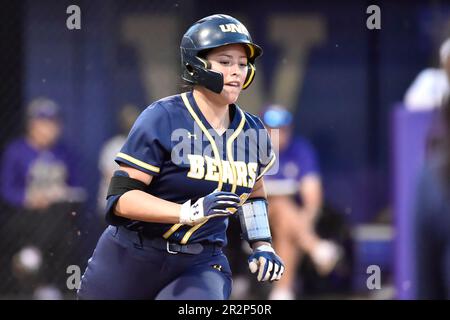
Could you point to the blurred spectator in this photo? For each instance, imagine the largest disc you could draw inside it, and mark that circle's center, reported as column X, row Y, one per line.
column 37, row 171
column 40, row 188
column 111, row 147
column 432, row 217
column 431, row 86
column 295, row 201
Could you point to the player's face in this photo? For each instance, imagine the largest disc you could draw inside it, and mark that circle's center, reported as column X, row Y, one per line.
column 231, row 61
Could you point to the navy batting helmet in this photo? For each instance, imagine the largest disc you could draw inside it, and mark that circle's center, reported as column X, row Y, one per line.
column 208, row 33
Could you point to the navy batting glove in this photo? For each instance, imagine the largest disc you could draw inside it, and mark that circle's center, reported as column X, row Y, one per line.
column 268, row 264
column 215, row 204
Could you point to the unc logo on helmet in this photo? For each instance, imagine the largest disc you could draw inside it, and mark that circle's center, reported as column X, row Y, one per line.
column 209, row 33
column 231, row 27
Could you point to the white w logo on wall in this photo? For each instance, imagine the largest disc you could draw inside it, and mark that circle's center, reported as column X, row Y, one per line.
column 231, row 27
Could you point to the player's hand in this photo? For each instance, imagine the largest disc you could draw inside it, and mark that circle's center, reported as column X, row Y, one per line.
column 215, row 204
column 268, row 264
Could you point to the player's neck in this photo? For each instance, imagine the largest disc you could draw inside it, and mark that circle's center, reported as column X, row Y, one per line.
column 216, row 114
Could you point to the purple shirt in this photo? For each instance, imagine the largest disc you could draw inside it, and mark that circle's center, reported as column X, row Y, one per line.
column 296, row 161
column 24, row 167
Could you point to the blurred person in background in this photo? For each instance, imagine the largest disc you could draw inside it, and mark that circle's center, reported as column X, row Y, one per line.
column 296, row 199
column 40, row 187
column 432, row 216
column 127, row 116
column 431, row 85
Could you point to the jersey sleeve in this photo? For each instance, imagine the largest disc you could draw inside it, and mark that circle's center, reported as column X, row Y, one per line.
column 266, row 153
column 148, row 142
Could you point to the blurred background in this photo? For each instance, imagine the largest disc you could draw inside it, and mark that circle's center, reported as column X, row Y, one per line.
column 69, row 96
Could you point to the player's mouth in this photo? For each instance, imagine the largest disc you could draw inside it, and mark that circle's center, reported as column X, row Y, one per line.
column 234, row 84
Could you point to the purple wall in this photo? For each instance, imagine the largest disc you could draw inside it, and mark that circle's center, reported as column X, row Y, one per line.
column 409, row 133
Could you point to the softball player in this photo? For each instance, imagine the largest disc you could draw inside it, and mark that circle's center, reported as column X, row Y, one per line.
column 188, row 164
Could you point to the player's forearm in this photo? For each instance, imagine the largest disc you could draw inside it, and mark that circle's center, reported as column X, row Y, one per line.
column 138, row 205
column 259, row 191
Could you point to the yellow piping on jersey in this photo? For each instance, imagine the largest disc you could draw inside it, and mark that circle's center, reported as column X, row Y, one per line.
column 210, row 138
column 216, row 156
column 138, row 162
column 230, row 150
column 191, row 231
column 233, row 169
column 219, row 165
column 171, row 230
column 270, row 164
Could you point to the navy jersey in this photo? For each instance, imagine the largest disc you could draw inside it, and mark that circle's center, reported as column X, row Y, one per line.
column 172, row 141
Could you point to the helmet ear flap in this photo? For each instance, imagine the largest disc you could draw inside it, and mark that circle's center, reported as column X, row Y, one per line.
column 198, row 71
column 250, row 75
column 192, row 70
column 205, row 62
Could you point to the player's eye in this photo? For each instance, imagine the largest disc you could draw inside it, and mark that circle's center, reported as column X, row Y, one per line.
column 224, row 62
column 242, row 65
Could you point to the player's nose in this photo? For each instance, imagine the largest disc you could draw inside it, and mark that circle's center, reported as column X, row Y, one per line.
column 236, row 70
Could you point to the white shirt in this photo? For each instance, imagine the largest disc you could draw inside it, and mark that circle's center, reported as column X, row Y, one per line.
column 427, row 91
column 107, row 166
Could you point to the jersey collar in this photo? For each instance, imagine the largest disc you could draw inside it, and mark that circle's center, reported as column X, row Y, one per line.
column 234, row 124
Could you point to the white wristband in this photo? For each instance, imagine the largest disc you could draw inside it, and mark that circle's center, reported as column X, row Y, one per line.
column 265, row 247
column 185, row 213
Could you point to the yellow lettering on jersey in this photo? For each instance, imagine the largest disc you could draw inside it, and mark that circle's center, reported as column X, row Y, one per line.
column 197, row 170
column 211, row 169
column 206, row 168
column 241, row 170
column 227, row 174
column 252, row 168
